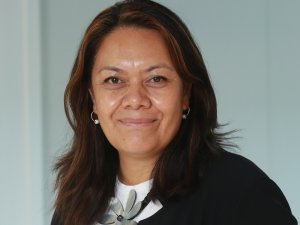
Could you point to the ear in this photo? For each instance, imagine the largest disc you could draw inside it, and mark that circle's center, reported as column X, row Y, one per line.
column 93, row 100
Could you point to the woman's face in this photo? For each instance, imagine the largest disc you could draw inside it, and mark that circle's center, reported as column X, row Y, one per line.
column 137, row 94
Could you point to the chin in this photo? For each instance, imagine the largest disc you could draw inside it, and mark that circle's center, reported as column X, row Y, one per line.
column 140, row 152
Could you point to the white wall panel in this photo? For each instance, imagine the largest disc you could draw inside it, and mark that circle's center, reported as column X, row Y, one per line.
column 21, row 159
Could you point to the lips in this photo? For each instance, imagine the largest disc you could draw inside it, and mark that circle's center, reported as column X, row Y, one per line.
column 137, row 122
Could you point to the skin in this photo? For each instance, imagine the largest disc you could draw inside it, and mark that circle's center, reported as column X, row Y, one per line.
column 138, row 97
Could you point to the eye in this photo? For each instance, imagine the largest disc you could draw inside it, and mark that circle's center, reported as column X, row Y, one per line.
column 112, row 80
column 158, row 79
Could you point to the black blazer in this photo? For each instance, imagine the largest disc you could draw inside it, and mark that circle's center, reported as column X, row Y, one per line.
column 233, row 192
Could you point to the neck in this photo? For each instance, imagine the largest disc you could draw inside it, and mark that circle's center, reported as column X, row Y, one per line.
column 135, row 170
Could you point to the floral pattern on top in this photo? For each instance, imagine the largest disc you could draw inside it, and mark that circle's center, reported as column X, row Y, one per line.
column 123, row 216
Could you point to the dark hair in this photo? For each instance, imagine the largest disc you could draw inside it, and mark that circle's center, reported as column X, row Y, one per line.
column 87, row 172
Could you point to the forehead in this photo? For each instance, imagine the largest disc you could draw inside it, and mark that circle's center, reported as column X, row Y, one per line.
column 121, row 33
column 132, row 43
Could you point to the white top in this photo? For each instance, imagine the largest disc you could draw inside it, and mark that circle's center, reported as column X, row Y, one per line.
column 142, row 189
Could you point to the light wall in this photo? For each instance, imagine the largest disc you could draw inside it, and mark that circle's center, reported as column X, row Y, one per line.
column 252, row 52
column 22, row 199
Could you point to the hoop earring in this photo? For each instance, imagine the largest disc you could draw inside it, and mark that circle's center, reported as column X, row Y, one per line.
column 96, row 121
column 184, row 116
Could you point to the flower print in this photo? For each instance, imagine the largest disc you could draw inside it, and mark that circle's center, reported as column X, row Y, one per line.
column 123, row 216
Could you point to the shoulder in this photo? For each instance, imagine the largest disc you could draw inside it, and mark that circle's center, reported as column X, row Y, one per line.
column 235, row 167
column 231, row 172
column 234, row 164
column 228, row 178
column 240, row 191
column 234, row 176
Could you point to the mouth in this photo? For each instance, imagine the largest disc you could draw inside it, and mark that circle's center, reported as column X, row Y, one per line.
column 137, row 122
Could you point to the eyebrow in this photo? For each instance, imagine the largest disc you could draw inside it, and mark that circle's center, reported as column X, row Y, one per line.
column 109, row 68
column 157, row 66
column 116, row 69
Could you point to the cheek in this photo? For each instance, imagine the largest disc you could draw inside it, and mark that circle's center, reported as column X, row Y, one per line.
column 171, row 102
column 106, row 103
column 171, row 109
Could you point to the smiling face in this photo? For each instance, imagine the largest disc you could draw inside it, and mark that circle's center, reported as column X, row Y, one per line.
column 137, row 94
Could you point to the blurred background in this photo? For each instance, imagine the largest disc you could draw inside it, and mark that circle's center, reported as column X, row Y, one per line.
column 252, row 52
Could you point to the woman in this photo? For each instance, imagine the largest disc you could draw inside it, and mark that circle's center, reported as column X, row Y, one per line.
column 145, row 147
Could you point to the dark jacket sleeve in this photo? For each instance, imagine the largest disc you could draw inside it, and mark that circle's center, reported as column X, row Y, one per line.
column 264, row 204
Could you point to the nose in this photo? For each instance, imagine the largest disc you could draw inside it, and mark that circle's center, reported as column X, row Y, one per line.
column 136, row 97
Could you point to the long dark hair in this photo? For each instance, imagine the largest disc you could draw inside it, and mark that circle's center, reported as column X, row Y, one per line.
column 87, row 172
